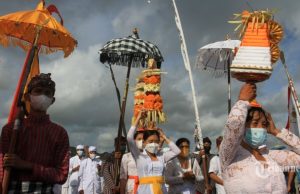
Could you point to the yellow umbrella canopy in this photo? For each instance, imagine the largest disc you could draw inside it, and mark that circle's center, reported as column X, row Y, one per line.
column 20, row 29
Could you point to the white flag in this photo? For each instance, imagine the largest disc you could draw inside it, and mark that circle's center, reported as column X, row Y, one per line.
column 184, row 52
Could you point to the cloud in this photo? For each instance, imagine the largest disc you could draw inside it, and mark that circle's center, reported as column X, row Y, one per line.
column 127, row 18
column 86, row 102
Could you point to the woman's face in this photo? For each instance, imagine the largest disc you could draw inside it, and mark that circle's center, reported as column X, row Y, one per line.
column 139, row 141
column 258, row 121
column 185, row 149
column 139, row 137
column 151, row 139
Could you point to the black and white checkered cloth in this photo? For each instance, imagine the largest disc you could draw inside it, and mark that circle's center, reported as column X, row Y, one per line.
column 119, row 51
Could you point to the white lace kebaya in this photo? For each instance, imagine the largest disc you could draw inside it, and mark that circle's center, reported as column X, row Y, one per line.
column 241, row 171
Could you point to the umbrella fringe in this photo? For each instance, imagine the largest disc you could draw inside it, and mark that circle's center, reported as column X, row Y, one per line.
column 122, row 59
column 121, row 51
column 216, row 73
column 207, row 62
column 6, row 41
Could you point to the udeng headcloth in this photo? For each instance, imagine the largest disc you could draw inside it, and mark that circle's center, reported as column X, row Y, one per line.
column 42, row 80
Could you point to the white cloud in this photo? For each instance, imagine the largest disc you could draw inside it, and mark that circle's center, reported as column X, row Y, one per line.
column 86, row 101
column 130, row 17
column 77, row 77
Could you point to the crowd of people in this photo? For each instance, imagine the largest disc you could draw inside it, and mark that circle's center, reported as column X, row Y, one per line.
column 41, row 160
column 174, row 170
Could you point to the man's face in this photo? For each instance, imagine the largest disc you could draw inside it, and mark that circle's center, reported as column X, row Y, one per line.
column 79, row 152
column 92, row 154
column 40, row 98
column 123, row 143
column 42, row 91
column 123, row 146
column 207, row 147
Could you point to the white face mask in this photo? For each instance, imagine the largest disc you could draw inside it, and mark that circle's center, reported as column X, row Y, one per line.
column 152, row 148
column 92, row 156
column 139, row 144
column 40, row 102
column 79, row 152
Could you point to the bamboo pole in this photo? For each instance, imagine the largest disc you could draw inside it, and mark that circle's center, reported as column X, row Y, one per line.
column 198, row 131
column 121, row 121
column 18, row 120
column 291, row 82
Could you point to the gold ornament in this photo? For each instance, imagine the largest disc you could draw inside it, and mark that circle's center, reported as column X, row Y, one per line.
column 275, row 32
column 275, row 53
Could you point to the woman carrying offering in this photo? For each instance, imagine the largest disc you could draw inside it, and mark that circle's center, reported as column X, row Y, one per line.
column 150, row 163
column 247, row 165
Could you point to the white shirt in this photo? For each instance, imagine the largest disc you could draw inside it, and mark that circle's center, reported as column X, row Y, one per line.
column 57, row 189
column 174, row 173
column 215, row 167
column 145, row 166
column 128, row 168
column 74, row 162
column 88, row 176
column 66, row 184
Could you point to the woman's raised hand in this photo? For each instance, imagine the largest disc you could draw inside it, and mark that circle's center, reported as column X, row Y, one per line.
column 248, row 92
column 271, row 126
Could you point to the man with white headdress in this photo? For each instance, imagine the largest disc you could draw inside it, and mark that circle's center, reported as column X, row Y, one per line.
column 88, row 176
column 74, row 168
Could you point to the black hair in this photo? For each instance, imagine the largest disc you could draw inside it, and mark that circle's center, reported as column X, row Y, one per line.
column 41, row 80
column 251, row 112
column 181, row 140
column 148, row 133
column 206, row 140
column 137, row 133
column 122, row 139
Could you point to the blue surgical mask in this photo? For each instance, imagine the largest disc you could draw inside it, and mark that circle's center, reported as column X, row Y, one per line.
column 256, row 137
column 80, row 152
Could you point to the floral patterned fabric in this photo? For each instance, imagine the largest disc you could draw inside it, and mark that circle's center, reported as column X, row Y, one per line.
column 241, row 171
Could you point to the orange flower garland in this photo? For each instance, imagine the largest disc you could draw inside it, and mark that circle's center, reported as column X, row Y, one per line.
column 155, row 79
column 147, row 97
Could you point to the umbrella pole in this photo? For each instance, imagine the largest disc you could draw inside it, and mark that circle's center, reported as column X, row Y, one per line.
column 121, row 122
column 291, row 83
column 18, row 120
column 118, row 96
column 229, row 87
column 116, row 87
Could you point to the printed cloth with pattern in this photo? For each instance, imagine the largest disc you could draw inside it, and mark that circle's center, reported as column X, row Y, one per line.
column 241, row 172
column 119, row 51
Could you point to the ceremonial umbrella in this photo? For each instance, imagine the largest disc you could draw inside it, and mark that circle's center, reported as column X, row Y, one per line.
column 130, row 51
column 34, row 31
column 22, row 28
column 217, row 58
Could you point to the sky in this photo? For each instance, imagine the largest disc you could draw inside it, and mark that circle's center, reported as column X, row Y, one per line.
column 86, row 103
